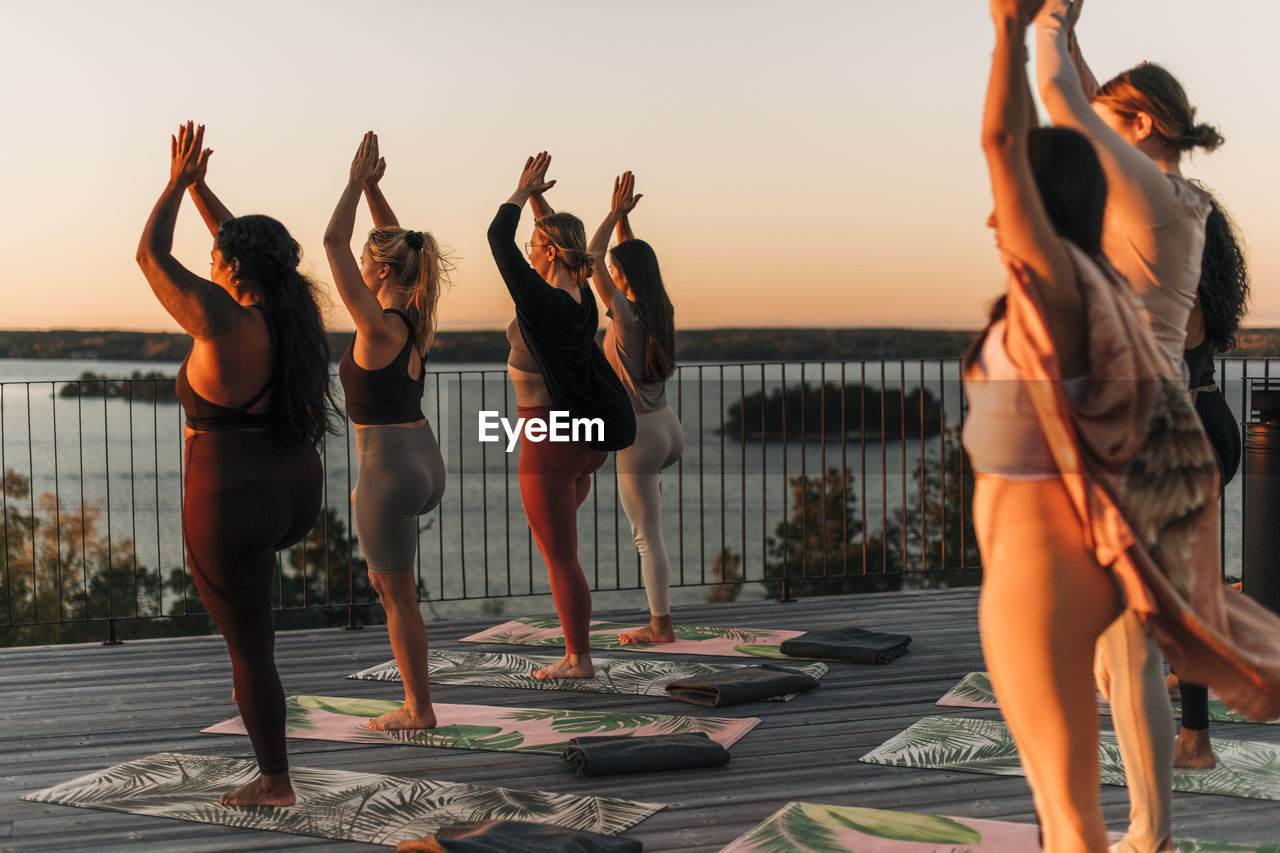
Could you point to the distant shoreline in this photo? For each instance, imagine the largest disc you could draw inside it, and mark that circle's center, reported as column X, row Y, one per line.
column 490, row 346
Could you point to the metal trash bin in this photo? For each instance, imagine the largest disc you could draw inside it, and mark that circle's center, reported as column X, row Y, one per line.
column 1261, row 494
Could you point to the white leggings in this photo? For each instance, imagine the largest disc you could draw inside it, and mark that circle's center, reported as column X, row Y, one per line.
column 659, row 443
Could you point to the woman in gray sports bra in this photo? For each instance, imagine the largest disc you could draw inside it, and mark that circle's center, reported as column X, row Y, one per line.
column 392, row 294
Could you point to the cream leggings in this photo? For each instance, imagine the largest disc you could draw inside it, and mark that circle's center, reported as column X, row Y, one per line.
column 659, row 443
column 401, row 477
column 1044, row 603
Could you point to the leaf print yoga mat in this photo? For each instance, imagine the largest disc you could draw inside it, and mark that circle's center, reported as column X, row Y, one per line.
column 690, row 639
column 331, row 803
column 814, row 828
column 1245, row 768
column 974, row 691
column 482, row 726
column 638, row 676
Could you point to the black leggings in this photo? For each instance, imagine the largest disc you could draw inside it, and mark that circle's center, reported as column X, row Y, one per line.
column 1220, row 426
column 245, row 499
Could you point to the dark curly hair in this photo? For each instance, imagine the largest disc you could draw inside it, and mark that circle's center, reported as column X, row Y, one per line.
column 264, row 254
column 1224, row 279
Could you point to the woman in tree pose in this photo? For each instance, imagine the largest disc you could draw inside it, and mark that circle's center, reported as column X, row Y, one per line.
column 639, row 343
column 392, row 293
column 1141, row 123
column 255, row 389
column 555, row 364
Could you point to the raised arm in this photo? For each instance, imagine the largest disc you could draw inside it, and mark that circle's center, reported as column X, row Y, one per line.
column 211, row 208
column 1136, row 187
column 622, row 203
column 624, row 222
column 1027, row 237
column 366, row 311
column 203, row 309
column 378, row 206
column 512, row 264
column 1088, row 83
column 540, row 206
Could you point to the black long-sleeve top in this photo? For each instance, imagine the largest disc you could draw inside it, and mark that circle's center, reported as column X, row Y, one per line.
column 561, row 336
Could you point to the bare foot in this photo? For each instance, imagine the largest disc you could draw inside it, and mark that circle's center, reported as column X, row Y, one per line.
column 572, row 666
column 273, row 790
column 403, row 718
column 658, row 630
column 648, row 634
column 1174, row 686
column 1193, row 751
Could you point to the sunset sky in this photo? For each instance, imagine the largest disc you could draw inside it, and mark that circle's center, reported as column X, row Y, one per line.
column 808, row 163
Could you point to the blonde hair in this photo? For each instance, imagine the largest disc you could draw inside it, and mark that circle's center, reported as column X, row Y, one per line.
column 1149, row 88
column 567, row 233
column 421, row 270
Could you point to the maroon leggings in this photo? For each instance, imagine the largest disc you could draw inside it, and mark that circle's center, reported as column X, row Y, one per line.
column 555, row 478
column 245, row 499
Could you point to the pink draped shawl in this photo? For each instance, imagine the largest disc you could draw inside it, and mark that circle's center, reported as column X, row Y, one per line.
column 1210, row 634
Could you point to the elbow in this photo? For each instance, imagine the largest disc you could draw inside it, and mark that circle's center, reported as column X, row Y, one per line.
column 334, row 240
column 999, row 141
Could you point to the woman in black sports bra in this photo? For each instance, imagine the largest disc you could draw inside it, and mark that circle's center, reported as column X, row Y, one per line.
column 392, row 294
column 253, row 477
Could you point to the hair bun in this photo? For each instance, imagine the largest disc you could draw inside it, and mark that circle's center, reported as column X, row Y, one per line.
column 1204, row 136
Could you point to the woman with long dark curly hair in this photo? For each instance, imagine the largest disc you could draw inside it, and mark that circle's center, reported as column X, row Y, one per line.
column 1221, row 301
column 392, row 293
column 255, row 389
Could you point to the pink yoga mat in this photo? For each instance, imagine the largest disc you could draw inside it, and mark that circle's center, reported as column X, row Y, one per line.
column 485, row 727
column 691, row 639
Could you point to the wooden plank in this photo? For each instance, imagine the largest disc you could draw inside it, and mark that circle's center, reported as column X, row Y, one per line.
column 71, row 710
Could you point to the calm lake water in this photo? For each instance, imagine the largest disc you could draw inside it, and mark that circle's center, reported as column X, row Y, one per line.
column 125, row 459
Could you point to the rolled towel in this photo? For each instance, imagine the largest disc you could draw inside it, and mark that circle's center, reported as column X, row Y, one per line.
column 851, row 644
column 504, row 836
column 605, row 755
column 745, row 684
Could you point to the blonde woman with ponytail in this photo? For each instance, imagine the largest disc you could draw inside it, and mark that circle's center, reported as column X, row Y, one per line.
column 392, row 293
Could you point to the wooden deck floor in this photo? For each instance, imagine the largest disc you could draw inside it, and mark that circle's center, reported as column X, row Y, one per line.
column 69, row 710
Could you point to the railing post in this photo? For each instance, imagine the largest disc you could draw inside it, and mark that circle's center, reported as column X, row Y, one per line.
column 1261, row 579
column 787, row 597
column 352, row 623
column 112, row 639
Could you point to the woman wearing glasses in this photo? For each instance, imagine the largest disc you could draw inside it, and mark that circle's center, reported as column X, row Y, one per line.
column 555, row 364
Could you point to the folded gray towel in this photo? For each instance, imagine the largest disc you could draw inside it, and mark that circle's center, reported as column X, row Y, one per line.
column 602, row 756
column 517, row 836
column 851, row 644
column 746, row 684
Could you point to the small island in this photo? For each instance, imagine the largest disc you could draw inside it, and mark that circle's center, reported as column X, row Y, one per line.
column 152, row 386
column 873, row 413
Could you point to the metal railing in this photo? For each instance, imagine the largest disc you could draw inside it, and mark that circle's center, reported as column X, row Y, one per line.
column 797, row 478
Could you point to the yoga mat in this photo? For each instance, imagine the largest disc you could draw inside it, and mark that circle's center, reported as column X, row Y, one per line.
column 814, row 828
column 483, row 726
column 974, row 691
column 335, row 804
column 690, row 639
column 1245, row 768
column 638, row 676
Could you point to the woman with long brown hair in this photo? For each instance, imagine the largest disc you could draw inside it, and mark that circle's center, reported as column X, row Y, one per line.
column 640, row 344
column 255, row 389
column 392, row 293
